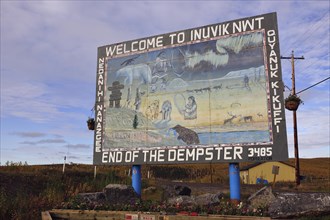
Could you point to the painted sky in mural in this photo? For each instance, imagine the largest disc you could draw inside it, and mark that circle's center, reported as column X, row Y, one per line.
column 212, row 92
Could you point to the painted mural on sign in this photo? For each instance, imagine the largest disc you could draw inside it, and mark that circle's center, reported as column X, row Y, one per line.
column 202, row 93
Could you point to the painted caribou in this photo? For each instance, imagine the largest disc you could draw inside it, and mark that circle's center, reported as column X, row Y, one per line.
column 229, row 120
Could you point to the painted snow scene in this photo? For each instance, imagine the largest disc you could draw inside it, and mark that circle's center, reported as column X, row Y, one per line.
column 205, row 93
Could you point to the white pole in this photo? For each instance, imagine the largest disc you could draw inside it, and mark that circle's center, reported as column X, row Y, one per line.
column 94, row 172
column 64, row 164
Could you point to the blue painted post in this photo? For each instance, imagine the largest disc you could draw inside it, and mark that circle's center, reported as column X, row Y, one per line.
column 136, row 178
column 234, row 182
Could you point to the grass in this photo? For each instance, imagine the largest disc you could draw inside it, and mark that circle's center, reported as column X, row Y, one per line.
column 25, row 191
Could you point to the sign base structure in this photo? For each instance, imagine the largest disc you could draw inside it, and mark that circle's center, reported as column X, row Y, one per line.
column 234, row 182
column 136, row 178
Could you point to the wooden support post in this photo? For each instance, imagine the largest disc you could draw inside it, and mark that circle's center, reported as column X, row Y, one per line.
column 295, row 131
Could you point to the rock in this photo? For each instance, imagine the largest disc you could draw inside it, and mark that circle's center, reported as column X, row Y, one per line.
column 262, row 198
column 91, row 197
column 202, row 200
column 289, row 205
column 185, row 201
column 150, row 190
column 182, row 190
column 117, row 193
column 176, row 190
column 208, row 199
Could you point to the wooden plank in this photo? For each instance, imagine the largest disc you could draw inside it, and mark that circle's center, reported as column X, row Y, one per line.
column 131, row 216
column 121, row 215
column 147, row 217
column 46, row 216
column 212, row 217
column 62, row 214
column 87, row 214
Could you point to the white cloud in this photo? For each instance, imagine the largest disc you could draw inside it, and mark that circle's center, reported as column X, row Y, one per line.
column 27, row 100
column 28, row 134
column 79, row 146
column 44, row 141
column 313, row 125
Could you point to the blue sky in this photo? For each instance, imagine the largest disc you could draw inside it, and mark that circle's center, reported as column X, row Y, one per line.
column 48, row 66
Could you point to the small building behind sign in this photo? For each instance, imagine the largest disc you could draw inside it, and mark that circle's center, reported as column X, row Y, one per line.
column 265, row 171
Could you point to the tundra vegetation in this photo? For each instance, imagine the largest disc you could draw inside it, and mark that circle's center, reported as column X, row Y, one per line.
column 26, row 190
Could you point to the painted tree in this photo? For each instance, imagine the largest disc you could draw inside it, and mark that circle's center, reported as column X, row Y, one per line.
column 135, row 122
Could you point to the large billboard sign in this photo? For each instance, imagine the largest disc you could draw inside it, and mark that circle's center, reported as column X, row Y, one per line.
column 202, row 95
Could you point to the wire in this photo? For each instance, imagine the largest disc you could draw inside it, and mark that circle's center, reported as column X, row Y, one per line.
column 309, row 32
column 288, row 87
column 306, row 68
column 311, row 49
column 313, row 85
